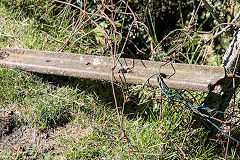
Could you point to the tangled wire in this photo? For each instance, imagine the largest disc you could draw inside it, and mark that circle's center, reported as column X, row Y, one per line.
column 167, row 92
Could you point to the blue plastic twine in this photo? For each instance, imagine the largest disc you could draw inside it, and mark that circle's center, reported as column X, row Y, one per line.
column 166, row 91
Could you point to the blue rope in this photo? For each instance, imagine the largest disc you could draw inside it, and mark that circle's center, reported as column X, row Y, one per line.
column 166, row 91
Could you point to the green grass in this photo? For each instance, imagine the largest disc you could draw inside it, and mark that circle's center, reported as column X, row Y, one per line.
column 27, row 23
column 48, row 102
column 43, row 105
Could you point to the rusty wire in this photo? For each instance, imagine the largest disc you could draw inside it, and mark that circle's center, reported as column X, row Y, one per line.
column 113, row 42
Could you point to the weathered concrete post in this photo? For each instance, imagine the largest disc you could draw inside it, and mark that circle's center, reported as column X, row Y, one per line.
column 220, row 96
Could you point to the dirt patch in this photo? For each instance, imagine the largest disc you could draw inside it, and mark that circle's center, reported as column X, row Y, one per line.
column 31, row 144
column 9, row 123
column 72, row 131
column 15, row 136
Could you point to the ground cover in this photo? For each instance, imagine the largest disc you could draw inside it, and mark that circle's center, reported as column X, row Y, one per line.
column 49, row 117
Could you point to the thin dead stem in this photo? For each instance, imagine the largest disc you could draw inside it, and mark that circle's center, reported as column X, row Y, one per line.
column 15, row 38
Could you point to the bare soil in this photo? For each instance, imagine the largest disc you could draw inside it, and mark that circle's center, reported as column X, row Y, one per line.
column 15, row 136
